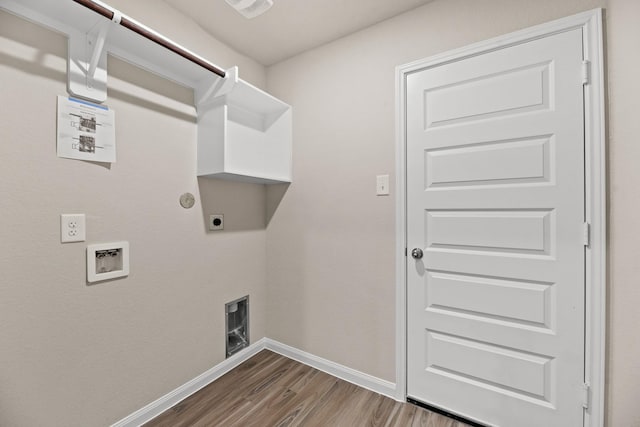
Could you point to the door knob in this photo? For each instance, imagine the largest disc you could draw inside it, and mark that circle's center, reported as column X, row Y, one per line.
column 416, row 253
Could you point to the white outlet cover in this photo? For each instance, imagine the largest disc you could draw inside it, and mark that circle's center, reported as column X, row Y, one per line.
column 72, row 228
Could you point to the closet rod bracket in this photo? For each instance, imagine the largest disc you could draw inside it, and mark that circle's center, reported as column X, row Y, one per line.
column 88, row 60
column 215, row 87
column 97, row 44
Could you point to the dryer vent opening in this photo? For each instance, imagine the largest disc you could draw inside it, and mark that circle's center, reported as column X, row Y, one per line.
column 237, row 325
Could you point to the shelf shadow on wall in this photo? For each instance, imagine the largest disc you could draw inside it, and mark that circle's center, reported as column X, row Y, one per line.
column 242, row 204
column 275, row 194
column 163, row 96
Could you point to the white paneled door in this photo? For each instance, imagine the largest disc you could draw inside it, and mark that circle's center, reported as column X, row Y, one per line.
column 495, row 221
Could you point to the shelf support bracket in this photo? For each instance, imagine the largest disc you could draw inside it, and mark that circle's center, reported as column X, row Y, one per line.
column 213, row 88
column 98, row 49
column 87, row 76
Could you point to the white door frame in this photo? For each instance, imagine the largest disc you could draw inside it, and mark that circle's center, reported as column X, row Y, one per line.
column 595, row 196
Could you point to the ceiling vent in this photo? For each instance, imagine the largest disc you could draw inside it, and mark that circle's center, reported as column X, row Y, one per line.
column 251, row 8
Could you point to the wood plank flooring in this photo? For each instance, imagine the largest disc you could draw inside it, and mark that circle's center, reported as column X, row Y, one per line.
column 272, row 390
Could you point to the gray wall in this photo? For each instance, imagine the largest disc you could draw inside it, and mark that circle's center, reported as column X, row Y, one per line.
column 319, row 263
column 73, row 354
column 330, row 257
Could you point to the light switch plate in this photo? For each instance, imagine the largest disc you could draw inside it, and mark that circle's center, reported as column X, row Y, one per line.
column 382, row 185
column 72, row 228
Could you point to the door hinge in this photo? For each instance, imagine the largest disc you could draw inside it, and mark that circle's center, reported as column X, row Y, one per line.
column 586, row 395
column 586, row 234
column 406, row 252
column 586, row 72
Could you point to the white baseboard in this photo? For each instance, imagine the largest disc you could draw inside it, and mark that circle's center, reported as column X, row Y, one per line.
column 358, row 378
column 170, row 399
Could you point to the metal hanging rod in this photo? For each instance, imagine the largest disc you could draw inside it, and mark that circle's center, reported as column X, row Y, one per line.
column 144, row 32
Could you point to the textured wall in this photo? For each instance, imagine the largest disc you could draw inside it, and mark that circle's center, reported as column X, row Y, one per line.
column 73, row 354
column 623, row 34
column 331, row 240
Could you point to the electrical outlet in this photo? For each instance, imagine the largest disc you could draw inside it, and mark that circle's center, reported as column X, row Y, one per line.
column 216, row 222
column 72, row 228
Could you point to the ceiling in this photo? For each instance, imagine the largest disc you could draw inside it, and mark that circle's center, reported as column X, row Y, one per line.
column 290, row 26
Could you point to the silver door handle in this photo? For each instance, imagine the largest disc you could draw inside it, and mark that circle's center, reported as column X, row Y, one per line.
column 416, row 253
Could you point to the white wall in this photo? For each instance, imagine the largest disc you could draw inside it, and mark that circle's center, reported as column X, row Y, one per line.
column 73, row 354
column 330, row 241
column 623, row 34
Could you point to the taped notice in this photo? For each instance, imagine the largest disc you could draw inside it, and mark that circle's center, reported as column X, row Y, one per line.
column 86, row 131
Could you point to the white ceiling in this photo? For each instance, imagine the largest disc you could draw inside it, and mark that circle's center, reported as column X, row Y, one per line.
column 290, row 26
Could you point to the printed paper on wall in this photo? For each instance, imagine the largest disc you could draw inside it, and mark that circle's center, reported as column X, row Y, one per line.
column 86, row 131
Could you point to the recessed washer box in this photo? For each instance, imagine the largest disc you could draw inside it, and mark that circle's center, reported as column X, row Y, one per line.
column 107, row 261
